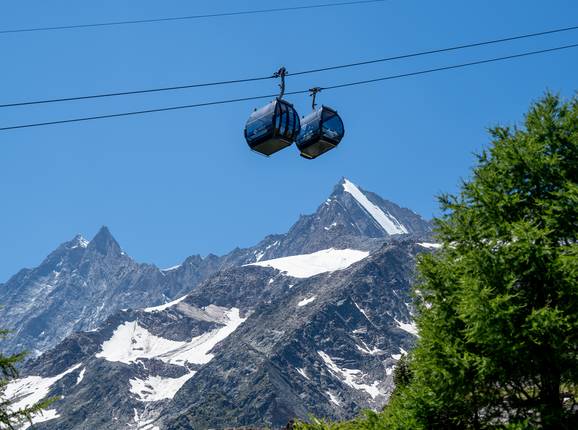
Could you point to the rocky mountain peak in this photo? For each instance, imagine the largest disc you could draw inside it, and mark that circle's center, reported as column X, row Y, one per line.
column 104, row 243
column 79, row 284
column 339, row 189
column 312, row 320
column 370, row 214
column 350, row 218
column 77, row 241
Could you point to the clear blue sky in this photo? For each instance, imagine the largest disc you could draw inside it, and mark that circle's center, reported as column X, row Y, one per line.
column 173, row 184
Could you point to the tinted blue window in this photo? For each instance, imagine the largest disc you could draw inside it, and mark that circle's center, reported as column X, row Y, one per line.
column 332, row 126
column 309, row 127
column 259, row 128
column 260, row 123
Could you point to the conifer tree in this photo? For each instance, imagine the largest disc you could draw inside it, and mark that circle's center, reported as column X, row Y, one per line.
column 11, row 418
column 498, row 303
column 498, row 309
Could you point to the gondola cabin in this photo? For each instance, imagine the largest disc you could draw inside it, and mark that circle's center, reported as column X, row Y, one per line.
column 321, row 131
column 273, row 127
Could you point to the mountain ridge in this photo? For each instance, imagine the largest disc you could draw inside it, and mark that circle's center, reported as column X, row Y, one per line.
column 324, row 344
column 80, row 278
column 312, row 320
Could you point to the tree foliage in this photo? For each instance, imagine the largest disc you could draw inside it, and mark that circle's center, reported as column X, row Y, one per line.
column 498, row 304
column 10, row 418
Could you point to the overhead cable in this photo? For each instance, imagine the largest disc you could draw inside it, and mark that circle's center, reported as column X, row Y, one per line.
column 327, row 88
column 187, row 17
column 303, row 72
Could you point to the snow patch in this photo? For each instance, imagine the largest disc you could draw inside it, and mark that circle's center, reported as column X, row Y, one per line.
column 272, row 245
column 168, row 269
column 367, row 350
column 302, row 372
column 430, row 245
column 28, row 391
column 385, row 220
column 143, row 424
column 350, row 376
column 334, row 399
column 156, row 388
column 307, row 265
column 80, row 376
column 306, row 301
column 43, row 416
column 410, row 328
column 165, row 306
column 362, row 311
column 197, row 350
column 130, row 341
column 331, row 226
column 81, row 242
column 260, row 253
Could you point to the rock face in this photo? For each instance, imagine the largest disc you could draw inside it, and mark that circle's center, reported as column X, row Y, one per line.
column 83, row 282
column 80, row 284
column 350, row 217
column 326, row 346
column 312, row 321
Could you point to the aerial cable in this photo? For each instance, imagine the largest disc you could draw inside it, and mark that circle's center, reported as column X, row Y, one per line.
column 436, row 51
column 166, row 109
column 303, row 72
column 332, row 87
column 126, row 93
column 456, row 66
column 189, row 17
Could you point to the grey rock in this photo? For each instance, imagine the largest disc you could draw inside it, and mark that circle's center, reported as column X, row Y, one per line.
column 80, row 284
column 325, row 344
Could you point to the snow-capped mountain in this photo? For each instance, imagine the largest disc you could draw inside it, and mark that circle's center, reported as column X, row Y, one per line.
column 325, row 346
column 252, row 345
column 80, row 284
column 312, row 321
column 83, row 282
column 350, row 217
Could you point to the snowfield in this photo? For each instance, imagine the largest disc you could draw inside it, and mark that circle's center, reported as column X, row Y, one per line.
column 46, row 415
column 156, row 388
column 387, row 221
column 30, row 390
column 306, row 301
column 26, row 392
column 307, row 265
column 130, row 341
column 165, row 306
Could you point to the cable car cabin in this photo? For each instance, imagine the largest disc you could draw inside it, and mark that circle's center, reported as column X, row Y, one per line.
column 273, row 127
column 321, row 131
